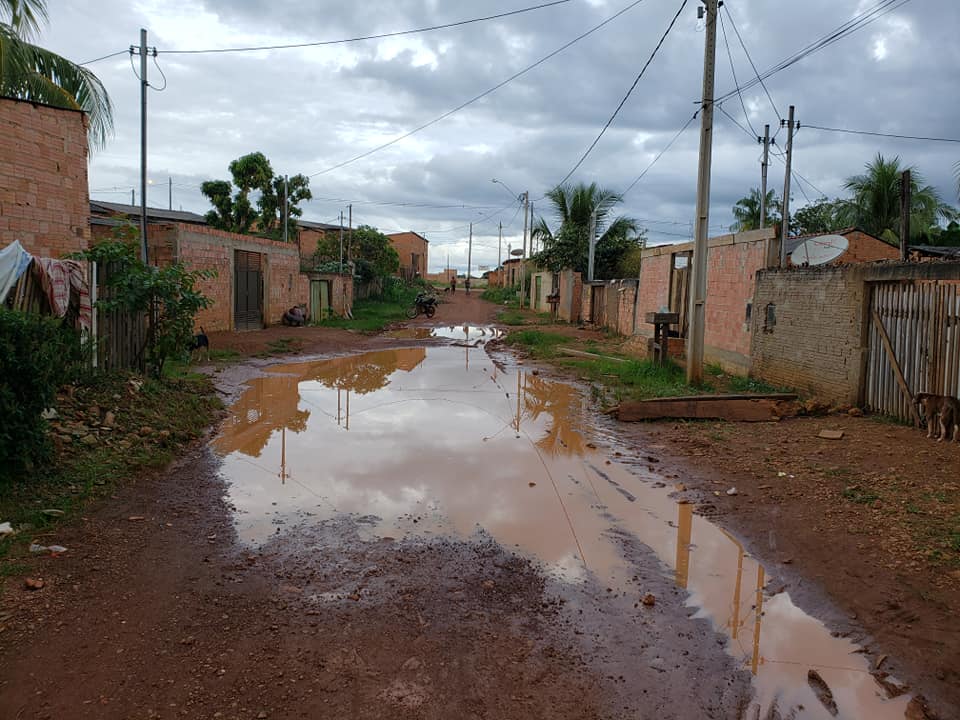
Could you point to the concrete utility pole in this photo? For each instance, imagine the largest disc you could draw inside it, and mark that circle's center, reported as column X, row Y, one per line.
column 133, row 196
column 286, row 210
column 170, row 192
column 786, row 188
column 341, row 241
column 142, row 51
column 592, row 238
column 469, row 258
column 763, row 175
column 350, row 233
column 499, row 248
column 905, row 189
column 523, row 257
column 698, row 284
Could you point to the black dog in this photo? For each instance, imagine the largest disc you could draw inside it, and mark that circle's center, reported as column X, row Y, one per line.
column 200, row 345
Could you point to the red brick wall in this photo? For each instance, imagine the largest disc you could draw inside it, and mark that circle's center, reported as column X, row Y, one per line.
column 571, row 296
column 44, row 199
column 161, row 240
column 626, row 299
column 731, row 272
column 654, row 284
column 284, row 284
column 865, row 248
column 406, row 244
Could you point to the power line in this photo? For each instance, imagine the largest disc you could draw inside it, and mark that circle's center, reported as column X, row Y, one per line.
column 750, row 59
column 480, row 96
column 625, row 97
column 360, row 38
column 733, row 70
column 856, row 23
column 881, row 134
column 105, row 57
column 660, row 154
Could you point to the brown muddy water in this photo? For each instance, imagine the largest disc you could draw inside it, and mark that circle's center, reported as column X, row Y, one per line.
column 440, row 441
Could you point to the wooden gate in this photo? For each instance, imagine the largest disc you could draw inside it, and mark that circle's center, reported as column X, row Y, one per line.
column 248, row 290
column 914, row 344
column 598, row 305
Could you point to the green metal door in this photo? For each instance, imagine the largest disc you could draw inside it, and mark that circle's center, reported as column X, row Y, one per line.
column 319, row 299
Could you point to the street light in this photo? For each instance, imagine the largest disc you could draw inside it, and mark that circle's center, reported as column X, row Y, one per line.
column 500, row 182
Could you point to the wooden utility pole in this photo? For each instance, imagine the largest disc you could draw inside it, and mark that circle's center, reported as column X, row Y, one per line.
column 786, row 190
column 143, row 145
column 763, row 175
column 905, row 183
column 698, row 283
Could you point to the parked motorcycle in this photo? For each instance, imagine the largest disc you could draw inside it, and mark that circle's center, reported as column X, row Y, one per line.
column 423, row 304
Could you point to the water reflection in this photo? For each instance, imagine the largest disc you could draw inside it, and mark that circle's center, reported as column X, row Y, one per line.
column 442, row 441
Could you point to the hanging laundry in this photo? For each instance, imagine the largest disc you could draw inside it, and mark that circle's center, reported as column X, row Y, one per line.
column 60, row 279
column 14, row 261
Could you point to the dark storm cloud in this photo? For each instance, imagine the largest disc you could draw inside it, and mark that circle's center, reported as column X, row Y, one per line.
column 311, row 109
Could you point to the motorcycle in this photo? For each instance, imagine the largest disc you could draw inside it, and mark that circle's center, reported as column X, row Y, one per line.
column 424, row 304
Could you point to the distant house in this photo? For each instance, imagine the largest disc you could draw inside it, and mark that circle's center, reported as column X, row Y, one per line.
column 310, row 233
column 413, row 249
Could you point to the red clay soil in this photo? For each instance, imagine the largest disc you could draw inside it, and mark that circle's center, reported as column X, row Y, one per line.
column 870, row 522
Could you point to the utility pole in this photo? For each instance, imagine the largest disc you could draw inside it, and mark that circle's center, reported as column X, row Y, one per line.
column 469, row 258
column 133, row 196
column 592, row 238
column 170, row 192
column 350, row 235
column 763, row 175
column 499, row 248
column 786, row 188
column 698, row 284
column 341, row 241
column 286, row 207
column 905, row 188
column 142, row 51
column 523, row 257
column 532, row 249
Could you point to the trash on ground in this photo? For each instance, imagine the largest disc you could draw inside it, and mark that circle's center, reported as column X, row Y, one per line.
column 732, row 491
column 34, row 583
column 52, row 549
column 831, row 434
column 649, row 600
column 6, row 529
column 52, row 512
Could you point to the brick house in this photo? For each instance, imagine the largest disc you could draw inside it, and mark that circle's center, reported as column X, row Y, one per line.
column 413, row 249
column 257, row 280
column 861, row 247
column 43, row 178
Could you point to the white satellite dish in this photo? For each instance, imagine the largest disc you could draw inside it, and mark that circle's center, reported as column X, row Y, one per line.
column 517, row 253
column 819, row 250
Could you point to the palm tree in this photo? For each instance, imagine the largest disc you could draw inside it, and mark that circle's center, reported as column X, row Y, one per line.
column 567, row 245
column 747, row 211
column 29, row 72
column 875, row 207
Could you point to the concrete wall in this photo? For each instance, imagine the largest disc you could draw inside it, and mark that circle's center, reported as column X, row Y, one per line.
column 341, row 294
column 44, row 198
column 284, row 285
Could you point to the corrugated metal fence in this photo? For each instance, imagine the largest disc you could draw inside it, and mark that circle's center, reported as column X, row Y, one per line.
column 914, row 344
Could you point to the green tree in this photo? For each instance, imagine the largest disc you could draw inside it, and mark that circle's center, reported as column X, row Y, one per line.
column 820, row 217
column 233, row 209
column 875, row 206
column 746, row 211
column 30, row 72
column 373, row 254
column 568, row 245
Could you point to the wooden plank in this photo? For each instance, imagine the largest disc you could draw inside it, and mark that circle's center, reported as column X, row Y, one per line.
column 896, row 367
column 954, row 388
column 589, row 355
column 737, row 408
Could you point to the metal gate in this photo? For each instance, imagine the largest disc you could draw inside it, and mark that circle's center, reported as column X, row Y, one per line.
column 319, row 300
column 248, row 290
column 914, row 344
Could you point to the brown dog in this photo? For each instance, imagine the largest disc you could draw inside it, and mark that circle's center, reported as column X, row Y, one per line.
column 945, row 410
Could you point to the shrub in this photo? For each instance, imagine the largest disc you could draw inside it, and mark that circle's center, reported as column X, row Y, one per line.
column 37, row 355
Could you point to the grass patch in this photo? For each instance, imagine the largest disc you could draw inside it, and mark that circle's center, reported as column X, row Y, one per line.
column 500, row 296
column 859, row 495
column 538, row 343
column 511, row 317
column 225, row 355
column 637, row 379
column 741, row 384
column 148, row 421
column 372, row 315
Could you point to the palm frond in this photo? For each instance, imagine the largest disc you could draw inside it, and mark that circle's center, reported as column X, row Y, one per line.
column 25, row 17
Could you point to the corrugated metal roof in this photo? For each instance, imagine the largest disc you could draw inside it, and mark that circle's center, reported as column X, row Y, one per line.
column 108, row 208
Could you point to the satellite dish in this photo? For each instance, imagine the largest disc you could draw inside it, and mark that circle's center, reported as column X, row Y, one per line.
column 819, row 250
column 517, row 253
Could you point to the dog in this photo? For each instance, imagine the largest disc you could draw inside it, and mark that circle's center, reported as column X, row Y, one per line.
column 943, row 409
column 200, row 345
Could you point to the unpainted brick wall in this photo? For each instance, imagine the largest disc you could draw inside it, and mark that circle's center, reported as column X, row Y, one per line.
column 44, row 198
column 202, row 247
column 407, row 244
column 626, row 299
column 815, row 345
column 571, row 296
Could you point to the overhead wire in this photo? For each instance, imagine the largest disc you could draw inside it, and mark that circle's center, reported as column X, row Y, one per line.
column 360, row 38
column 482, row 95
column 626, row 97
column 733, row 70
column 660, row 154
column 106, row 57
column 746, row 52
column 881, row 134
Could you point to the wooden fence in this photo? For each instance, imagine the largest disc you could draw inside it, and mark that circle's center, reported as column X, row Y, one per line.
column 914, row 344
column 121, row 336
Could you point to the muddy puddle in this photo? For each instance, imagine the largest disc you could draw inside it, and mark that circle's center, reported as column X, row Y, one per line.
column 428, row 441
column 459, row 333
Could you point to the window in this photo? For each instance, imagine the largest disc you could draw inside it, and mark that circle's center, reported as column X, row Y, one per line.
column 749, row 312
column 770, row 318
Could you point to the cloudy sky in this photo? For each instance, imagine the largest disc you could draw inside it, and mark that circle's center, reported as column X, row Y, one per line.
column 310, row 109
